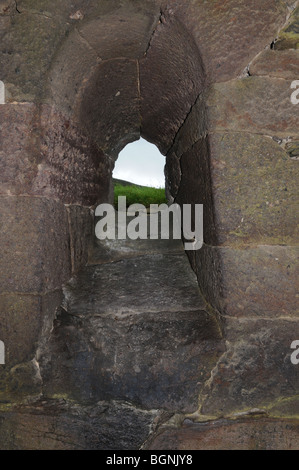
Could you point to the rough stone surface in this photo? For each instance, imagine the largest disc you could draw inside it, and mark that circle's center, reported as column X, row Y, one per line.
column 25, row 321
column 246, row 211
column 239, row 273
column 109, row 105
column 239, row 105
column 173, row 72
column 39, row 260
column 288, row 37
column 230, row 34
column 153, row 354
column 59, row 425
column 196, row 186
column 81, row 228
column 256, row 370
column 103, row 251
column 43, row 153
column 279, row 64
column 127, row 31
column 82, row 79
column 239, row 434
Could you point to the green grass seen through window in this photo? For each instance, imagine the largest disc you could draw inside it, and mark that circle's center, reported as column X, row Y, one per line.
column 139, row 194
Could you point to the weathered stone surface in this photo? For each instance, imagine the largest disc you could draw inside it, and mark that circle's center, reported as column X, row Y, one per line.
column 251, row 282
column 240, row 434
column 292, row 148
column 81, row 226
column 193, row 129
column 279, row 64
column 254, row 104
column 173, row 175
column 127, row 31
column 25, row 321
column 195, row 186
column 254, row 186
column 155, row 354
column 31, row 41
column 137, row 281
column 288, row 37
column 230, row 34
column 172, row 72
column 154, row 360
column 21, row 382
column 108, row 108
column 35, row 244
column 43, row 153
column 256, row 370
column 59, row 425
column 19, row 148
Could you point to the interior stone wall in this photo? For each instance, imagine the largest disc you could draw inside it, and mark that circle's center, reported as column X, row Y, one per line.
column 210, row 84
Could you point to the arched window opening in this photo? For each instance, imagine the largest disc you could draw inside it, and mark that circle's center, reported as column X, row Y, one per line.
column 139, row 174
column 141, row 163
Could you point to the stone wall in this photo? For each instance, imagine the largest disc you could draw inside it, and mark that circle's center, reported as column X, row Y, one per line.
column 210, row 84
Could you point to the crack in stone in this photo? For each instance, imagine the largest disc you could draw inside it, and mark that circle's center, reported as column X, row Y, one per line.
column 160, row 21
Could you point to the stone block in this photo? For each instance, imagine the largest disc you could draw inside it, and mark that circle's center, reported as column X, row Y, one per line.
column 256, row 370
column 230, row 34
column 251, row 282
column 276, row 63
column 123, row 36
column 43, row 153
column 35, row 244
column 25, row 321
column 261, row 105
column 254, row 186
column 196, row 186
column 118, row 345
column 108, row 108
column 172, row 73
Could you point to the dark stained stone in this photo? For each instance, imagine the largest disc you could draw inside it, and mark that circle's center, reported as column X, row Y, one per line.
column 81, row 228
column 173, row 175
column 195, row 185
column 111, row 344
column 109, row 106
column 59, row 425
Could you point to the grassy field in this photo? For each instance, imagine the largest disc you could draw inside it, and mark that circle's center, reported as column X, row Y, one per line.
column 138, row 194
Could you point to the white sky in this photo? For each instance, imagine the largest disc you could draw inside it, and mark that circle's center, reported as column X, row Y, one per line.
column 141, row 163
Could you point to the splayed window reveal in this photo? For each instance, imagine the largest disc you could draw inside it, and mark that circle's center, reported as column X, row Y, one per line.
column 137, row 227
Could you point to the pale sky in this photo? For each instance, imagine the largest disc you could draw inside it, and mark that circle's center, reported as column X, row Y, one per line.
column 141, row 163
